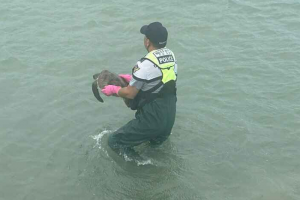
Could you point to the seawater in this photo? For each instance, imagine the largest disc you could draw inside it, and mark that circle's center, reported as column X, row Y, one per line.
column 236, row 134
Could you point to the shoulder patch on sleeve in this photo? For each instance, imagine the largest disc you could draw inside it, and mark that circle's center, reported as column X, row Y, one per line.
column 136, row 68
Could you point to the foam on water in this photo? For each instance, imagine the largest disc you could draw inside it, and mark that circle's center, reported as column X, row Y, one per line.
column 138, row 162
column 98, row 139
column 145, row 162
column 98, row 144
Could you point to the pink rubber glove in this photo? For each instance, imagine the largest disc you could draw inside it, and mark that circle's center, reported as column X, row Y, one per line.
column 111, row 90
column 127, row 77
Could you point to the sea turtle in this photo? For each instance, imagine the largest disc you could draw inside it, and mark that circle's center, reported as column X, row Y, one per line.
column 107, row 78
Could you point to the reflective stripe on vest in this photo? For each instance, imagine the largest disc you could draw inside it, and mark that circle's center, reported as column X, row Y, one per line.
column 165, row 60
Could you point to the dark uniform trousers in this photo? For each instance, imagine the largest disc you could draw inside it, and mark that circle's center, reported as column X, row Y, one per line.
column 153, row 122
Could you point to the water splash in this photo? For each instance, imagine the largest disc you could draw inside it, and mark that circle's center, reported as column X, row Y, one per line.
column 144, row 162
column 99, row 137
column 139, row 162
column 98, row 144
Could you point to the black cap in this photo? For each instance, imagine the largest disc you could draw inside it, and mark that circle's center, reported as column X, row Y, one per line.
column 156, row 33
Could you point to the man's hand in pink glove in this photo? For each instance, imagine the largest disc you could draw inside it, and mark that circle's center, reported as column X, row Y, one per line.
column 127, row 77
column 111, row 90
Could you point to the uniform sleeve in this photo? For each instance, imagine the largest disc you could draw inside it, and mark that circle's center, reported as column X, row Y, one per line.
column 139, row 76
column 139, row 72
column 136, row 83
column 175, row 68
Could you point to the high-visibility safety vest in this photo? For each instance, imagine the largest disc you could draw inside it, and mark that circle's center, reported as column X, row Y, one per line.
column 164, row 59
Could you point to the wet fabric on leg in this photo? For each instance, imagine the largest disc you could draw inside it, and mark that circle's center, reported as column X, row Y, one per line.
column 153, row 123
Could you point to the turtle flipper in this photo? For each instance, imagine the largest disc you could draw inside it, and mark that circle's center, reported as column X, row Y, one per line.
column 96, row 91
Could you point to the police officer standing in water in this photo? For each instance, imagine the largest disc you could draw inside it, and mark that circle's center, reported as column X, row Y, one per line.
column 152, row 87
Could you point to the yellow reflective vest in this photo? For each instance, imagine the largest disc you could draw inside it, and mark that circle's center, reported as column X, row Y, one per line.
column 164, row 59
